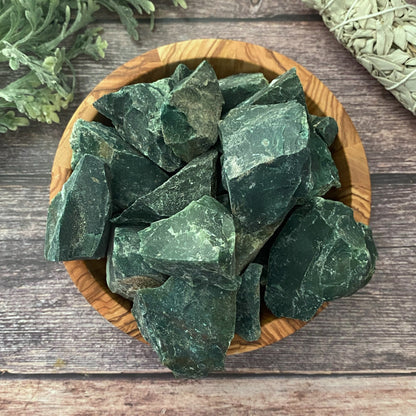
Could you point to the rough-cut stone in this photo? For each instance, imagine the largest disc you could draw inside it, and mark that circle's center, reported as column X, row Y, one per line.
column 247, row 323
column 92, row 138
column 196, row 179
column 284, row 88
column 166, row 85
column 323, row 169
column 131, row 177
column 266, row 149
column 78, row 218
column 320, row 254
column 197, row 242
column 126, row 270
column 191, row 113
column 325, row 127
column 135, row 113
column 190, row 326
column 249, row 243
column 237, row 88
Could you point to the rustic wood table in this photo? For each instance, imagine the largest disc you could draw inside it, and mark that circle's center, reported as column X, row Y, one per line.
column 59, row 356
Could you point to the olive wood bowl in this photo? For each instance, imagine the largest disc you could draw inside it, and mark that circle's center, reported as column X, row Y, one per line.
column 227, row 57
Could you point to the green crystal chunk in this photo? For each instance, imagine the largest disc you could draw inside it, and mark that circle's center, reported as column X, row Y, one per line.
column 191, row 113
column 323, row 169
column 133, row 176
column 325, row 127
column 190, row 326
column 196, row 179
column 320, row 254
column 78, row 218
column 166, row 85
column 247, row 323
column 266, row 149
column 92, row 138
column 199, row 240
column 237, row 88
column 135, row 113
column 249, row 243
column 284, row 88
column 126, row 270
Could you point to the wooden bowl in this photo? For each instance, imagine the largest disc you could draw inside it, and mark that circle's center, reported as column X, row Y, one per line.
column 227, row 57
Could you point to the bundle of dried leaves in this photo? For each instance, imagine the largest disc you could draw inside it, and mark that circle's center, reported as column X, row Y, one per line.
column 382, row 36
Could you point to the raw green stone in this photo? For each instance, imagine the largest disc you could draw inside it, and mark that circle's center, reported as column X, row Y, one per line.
column 320, row 254
column 92, row 138
column 266, row 149
column 325, row 127
column 323, row 169
column 284, row 88
column 166, row 85
column 196, row 179
column 133, row 176
column 249, row 243
column 78, row 218
column 247, row 323
column 237, row 88
column 126, row 270
column 199, row 240
column 190, row 326
column 191, row 113
column 135, row 113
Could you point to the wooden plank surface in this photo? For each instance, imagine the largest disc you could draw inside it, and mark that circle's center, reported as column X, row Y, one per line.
column 49, row 333
column 364, row 395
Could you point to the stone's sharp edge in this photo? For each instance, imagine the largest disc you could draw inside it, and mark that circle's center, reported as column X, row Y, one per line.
column 194, row 180
column 320, row 254
column 78, row 217
column 190, row 326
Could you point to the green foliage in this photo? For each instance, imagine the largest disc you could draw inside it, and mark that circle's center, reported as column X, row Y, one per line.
column 39, row 39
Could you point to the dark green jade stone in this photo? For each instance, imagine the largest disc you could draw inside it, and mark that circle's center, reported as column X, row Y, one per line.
column 320, row 254
column 194, row 180
column 325, row 127
column 284, row 88
column 135, row 113
column 237, row 88
column 324, row 173
column 78, row 223
column 191, row 113
column 266, row 161
column 92, row 138
column 189, row 325
column 166, row 85
column 133, row 175
column 197, row 242
column 126, row 270
column 247, row 323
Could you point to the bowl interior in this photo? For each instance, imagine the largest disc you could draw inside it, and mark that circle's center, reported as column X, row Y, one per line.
column 227, row 57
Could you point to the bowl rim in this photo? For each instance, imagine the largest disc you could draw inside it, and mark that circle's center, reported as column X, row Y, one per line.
column 347, row 151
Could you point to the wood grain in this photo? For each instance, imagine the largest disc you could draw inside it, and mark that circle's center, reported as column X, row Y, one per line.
column 362, row 395
column 227, row 57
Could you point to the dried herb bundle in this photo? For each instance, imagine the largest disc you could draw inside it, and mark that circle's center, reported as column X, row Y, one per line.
column 381, row 34
column 32, row 34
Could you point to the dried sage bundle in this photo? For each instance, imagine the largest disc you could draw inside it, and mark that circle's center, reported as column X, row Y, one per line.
column 381, row 34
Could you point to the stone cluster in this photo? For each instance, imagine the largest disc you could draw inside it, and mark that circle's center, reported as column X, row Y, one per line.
column 203, row 195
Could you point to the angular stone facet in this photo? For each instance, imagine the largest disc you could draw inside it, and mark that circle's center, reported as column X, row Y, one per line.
column 191, row 113
column 319, row 255
column 126, row 270
column 189, row 325
column 247, row 323
column 284, row 88
column 78, row 218
column 92, row 138
column 135, row 113
column 237, row 88
column 325, row 127
column 196, row 179
column 197, row 242
column 265, row 153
